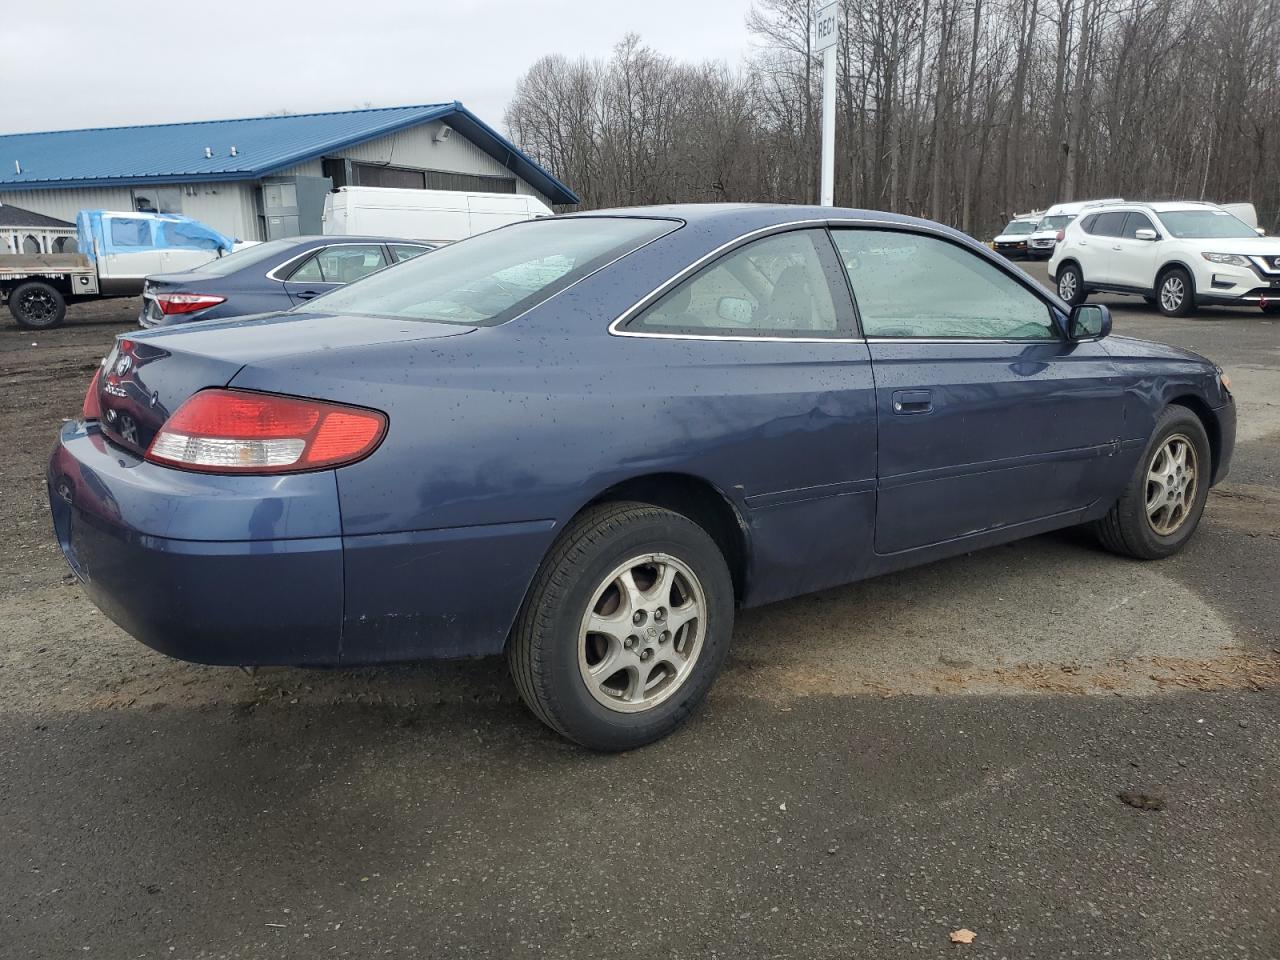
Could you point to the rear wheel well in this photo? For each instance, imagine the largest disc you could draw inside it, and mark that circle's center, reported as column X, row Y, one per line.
column 1210, row 423
column 1068, row 262
column 700, row 502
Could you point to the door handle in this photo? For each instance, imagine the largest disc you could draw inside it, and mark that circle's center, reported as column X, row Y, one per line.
column 307, row 294
column 908, row 402
column 1117, row 247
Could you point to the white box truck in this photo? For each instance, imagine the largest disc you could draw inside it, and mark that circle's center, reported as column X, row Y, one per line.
column 433, row 216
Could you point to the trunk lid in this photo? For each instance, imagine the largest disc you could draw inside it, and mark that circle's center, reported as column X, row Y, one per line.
column 147, row 376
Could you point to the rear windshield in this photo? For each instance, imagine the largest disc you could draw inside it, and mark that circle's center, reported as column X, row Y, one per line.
column 1205, row 224
column 490, row 278
column 1019, row 226
column 246, row 257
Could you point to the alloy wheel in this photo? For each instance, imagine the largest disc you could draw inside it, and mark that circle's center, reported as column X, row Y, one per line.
column 1067, row 286
column 1172, row 481
column 642, row 633
column 38, row 308
column 1172, row 292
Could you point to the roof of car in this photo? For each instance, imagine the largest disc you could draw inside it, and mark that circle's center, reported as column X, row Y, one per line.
column 758, row 216
column 1159, row 206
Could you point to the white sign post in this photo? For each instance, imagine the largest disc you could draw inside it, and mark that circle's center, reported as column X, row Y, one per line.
column 826, row 28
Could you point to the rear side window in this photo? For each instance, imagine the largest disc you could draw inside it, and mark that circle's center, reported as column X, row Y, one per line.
column 343, row 263
column 1087, row 223
column 1109, row 224
column 909, row 285
column 407, row 251
column 770, row 287
column 130, row 233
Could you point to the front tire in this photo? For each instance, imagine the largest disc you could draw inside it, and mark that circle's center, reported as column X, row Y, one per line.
column 1175, row 293
column 37, row 306
column 1164, row 499
column 625, row 627
column 1071, row 285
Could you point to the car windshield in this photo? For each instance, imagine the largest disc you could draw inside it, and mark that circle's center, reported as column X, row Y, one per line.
column 246, row 257
column 1205, row 224
column 1056, row 222
column 1018, row 227
column 490, row 278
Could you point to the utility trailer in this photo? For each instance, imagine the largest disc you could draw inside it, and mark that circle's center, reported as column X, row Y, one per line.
column 118, row 252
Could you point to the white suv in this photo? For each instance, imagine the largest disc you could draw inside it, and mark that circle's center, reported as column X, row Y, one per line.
column 1176, row 255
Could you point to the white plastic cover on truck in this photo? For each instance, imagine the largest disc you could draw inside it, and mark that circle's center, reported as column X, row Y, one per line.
column 433, row 216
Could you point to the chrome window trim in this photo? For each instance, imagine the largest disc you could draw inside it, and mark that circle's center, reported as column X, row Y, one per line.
column 825, row 222
column 271, row 274
column 1021, row 342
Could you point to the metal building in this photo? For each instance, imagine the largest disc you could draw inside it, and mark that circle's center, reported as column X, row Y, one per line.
column 265, row 177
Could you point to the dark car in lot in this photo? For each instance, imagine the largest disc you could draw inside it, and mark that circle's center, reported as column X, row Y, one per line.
column 266, row 277
column 586, row 440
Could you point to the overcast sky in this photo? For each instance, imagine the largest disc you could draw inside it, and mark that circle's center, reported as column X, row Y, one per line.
column 85, row 64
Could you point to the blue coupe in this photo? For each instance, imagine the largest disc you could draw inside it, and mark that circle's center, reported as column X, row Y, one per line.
column 267, row 277
column 586, row 440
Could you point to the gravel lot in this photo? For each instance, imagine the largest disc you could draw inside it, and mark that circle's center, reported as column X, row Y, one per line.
column 881, row 764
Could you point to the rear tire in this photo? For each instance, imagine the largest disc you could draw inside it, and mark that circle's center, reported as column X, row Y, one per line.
column 37, row 305
column 630, row 570
column 1271, row 308
column 1071, row 285
column 1162, row 503
column 1175, row 293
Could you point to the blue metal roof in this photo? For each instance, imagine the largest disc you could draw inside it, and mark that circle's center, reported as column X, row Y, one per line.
column 175, row 152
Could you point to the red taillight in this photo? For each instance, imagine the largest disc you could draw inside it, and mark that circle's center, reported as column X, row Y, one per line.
column 92, row 409
column 1060, row 234
column 236, row 431
column 171, row 303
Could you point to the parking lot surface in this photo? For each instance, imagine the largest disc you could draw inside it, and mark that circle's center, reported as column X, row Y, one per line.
column 1071, row 754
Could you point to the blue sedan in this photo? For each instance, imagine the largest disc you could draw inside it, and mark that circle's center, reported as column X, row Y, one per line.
column 267, row 277
column 585, row 441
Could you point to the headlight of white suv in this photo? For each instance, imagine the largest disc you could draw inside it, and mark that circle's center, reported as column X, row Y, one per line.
column 1234, row 259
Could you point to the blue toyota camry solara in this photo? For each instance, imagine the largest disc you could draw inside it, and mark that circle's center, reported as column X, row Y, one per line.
column 586, row 440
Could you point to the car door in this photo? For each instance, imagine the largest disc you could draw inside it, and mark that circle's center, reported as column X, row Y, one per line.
column 131, row 251
column 331, row 267
column 988, row 418
column 758, row 350
column 1096, row 247
column 1132, row 262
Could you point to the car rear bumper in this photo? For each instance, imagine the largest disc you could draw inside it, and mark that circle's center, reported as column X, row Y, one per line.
column 255, row 570
column 220, row 570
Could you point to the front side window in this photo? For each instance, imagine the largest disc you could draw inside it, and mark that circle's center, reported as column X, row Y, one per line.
column 909, row 285
column 1134, row 223
column 494, row 276
column 770, row 287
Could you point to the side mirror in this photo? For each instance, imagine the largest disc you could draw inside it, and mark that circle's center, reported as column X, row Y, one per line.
column 1089, row 321
column 1146, row 234
column 735, row 311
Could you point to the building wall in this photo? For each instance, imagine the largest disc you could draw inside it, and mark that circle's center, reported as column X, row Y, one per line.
column 227, row 207
column 232, row 207
column 416, row 148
